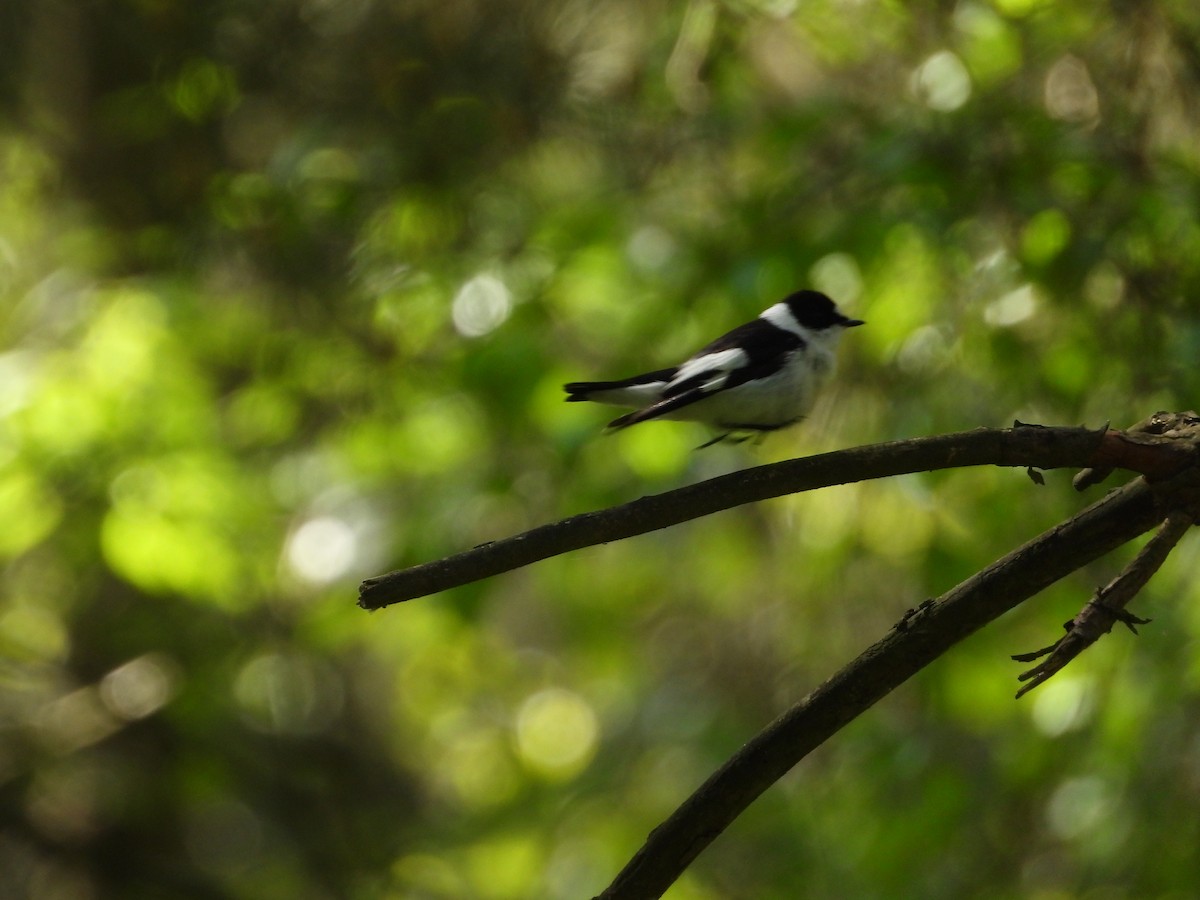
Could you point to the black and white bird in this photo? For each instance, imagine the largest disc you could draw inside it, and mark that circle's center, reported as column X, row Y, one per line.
column 760, row 377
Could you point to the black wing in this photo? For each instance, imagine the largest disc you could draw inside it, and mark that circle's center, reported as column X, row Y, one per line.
column 765, row 345
column 766, row 348
column 661, row 408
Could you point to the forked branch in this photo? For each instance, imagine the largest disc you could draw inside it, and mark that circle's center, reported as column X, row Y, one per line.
column 1165, row 449
column 1108, row 606
column 918, row 639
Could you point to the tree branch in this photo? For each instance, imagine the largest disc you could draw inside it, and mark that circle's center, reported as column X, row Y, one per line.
column 1165, row 449
column 1109, row 604
column 1156, row 455
column 1158, row 434
column 1024, row 445
column 918, row 639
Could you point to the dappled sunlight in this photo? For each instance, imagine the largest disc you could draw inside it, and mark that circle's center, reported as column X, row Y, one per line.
column 29, row 506
column 31, row 633
column 1082, row 807
column 481, row 306
column 651, row 248
column 556, row 732
column 1012, row 308
column 505, row 863
column 1070, row 93
column 942, row 82
column 74, row 721
column 322, row 549
column 656, row 452
column 262, row 336
column 164, row 531
column 1066, row 704
column 140, row 687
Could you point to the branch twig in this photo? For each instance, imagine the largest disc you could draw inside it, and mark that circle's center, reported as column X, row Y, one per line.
column 1107, row 607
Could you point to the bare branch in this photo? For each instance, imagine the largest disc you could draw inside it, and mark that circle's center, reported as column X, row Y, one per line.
column 918, row 639
column 1109, row 604
column 1165, row 452
column 1023, row 446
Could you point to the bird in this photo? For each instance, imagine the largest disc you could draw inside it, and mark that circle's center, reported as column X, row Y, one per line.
column 759, row 377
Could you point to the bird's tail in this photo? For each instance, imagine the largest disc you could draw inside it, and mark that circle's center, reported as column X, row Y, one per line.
column 639, row 387
column 586, row 390
column 582, row 390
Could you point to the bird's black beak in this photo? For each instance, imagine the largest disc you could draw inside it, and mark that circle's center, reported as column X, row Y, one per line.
column 850, row 323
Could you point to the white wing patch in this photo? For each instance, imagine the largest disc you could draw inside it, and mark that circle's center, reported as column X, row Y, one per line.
column 780, row 315
column 720, row 364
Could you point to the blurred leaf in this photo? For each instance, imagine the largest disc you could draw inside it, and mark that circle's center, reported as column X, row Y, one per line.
column 287, row 297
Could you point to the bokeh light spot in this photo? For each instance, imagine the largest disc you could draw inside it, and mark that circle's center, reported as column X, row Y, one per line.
column 478, row 767
column 1070, row 94
column 322, row 549
column 651, row 248
column 1078, row 806
column 481, row 306
column 140, row 687
column 1011, row 309
column 557, row 733
column 1061, row 705
column 942, row 82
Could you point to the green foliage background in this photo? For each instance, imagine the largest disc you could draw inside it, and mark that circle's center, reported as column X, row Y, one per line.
column 287, row 294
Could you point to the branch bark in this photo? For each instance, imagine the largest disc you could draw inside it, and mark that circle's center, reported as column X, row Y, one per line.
column 1035, row 446
column 1023, row 445
column 917, row 640
column 1165, row 449
column 1108, row 606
